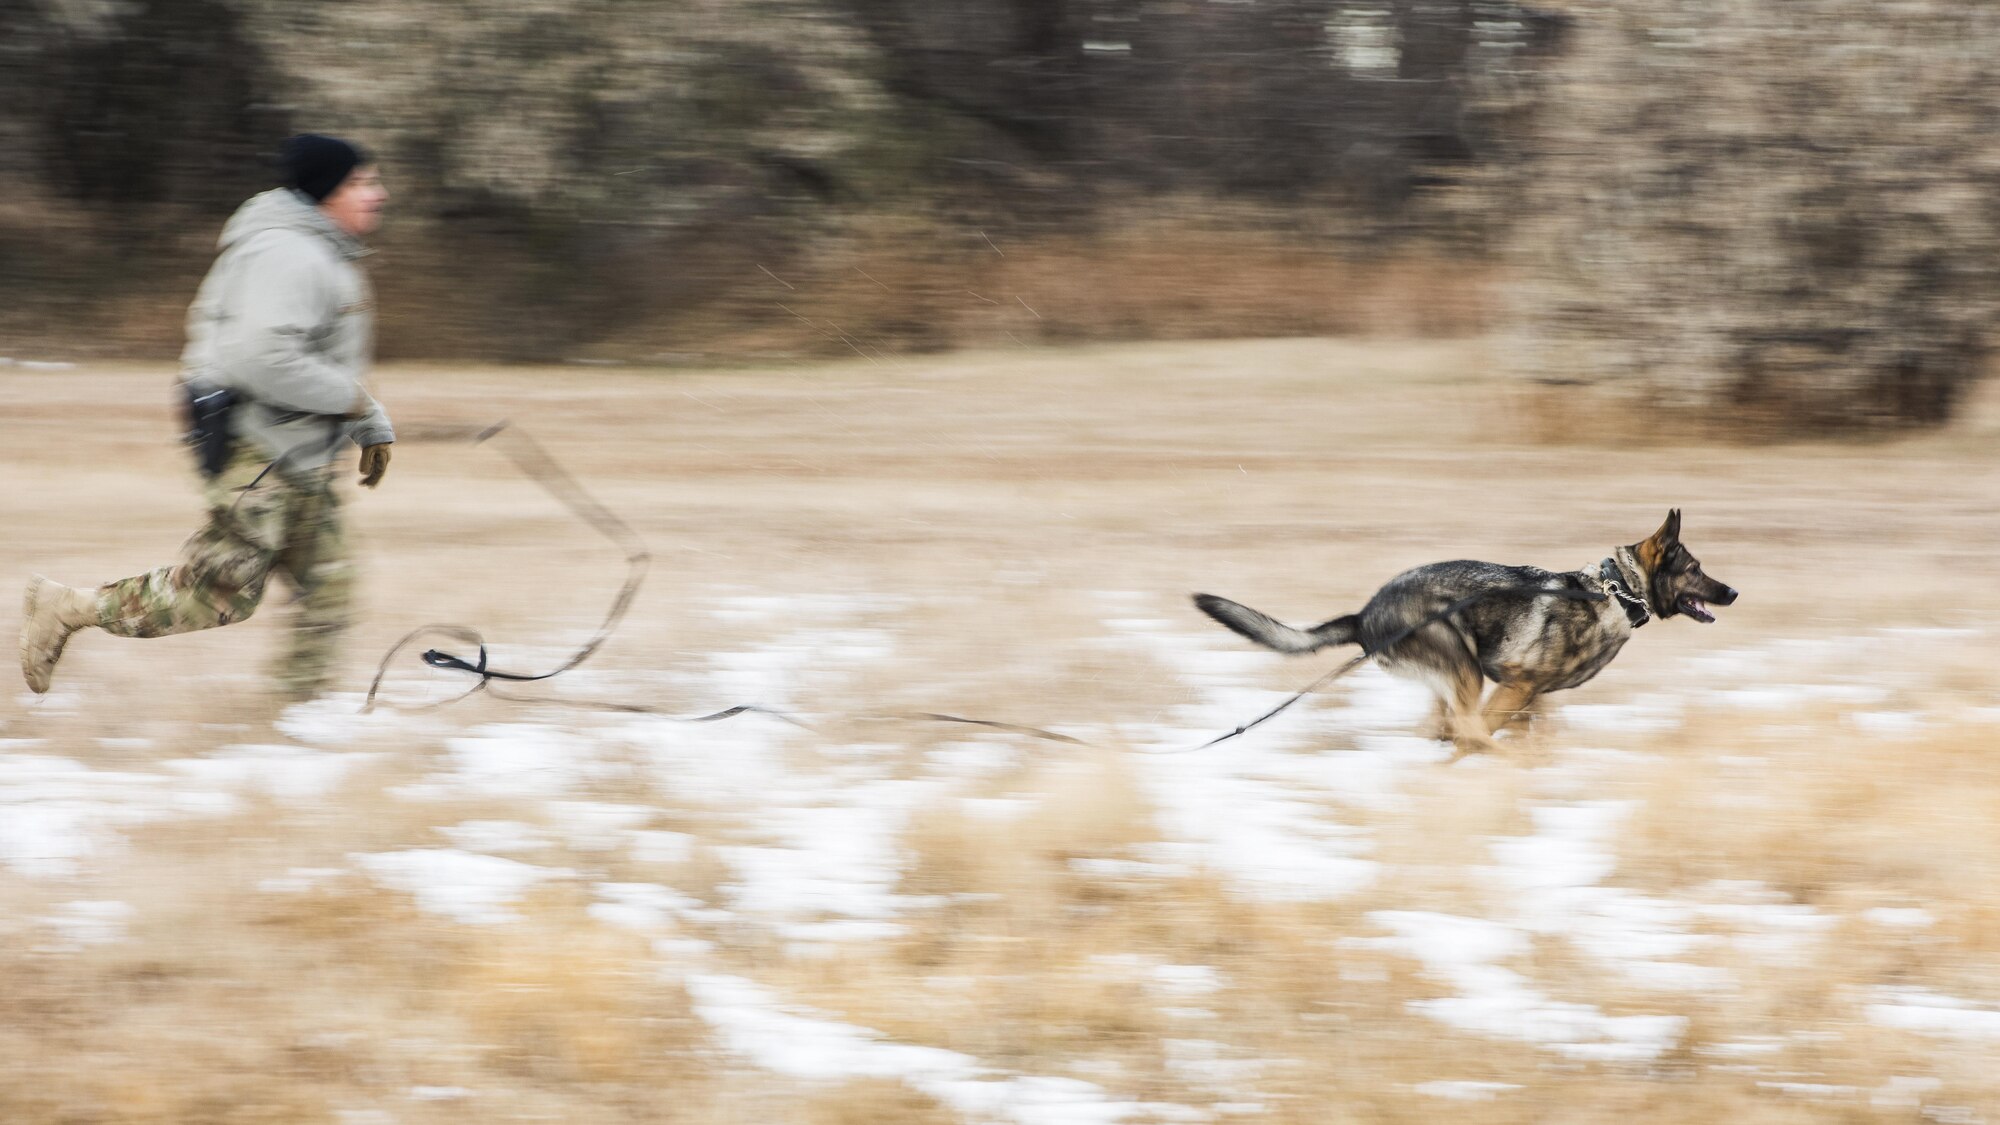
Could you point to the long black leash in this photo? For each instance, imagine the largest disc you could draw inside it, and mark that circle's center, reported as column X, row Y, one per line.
column 536, row 463
column 538, row 466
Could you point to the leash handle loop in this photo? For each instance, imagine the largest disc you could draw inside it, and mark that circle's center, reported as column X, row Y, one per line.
column 538, row 466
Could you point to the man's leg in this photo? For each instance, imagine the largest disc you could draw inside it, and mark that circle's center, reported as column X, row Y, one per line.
column 316, row 561
column 222, row 569
column 218, row 580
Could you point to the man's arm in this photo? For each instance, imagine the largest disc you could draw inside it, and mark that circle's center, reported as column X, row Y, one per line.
column 371, row 426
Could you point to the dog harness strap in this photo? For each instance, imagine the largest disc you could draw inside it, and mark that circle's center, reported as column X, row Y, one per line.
column 1608, row 572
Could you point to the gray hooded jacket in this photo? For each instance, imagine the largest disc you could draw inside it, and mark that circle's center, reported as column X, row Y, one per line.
column 286, row 320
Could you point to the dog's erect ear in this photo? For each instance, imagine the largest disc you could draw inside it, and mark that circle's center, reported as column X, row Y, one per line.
column 1653, row 548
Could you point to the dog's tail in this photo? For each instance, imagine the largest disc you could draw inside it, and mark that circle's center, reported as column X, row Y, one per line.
column 1272, row 633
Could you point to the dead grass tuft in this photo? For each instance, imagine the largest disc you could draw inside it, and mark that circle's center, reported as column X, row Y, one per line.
column 1821, row 812
column 562, row 1000
column 877, row 1101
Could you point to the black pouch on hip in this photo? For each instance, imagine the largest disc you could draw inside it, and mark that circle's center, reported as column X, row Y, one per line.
column 205, row 412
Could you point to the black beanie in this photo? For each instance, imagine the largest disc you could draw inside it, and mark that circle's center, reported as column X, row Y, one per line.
column 316, row 165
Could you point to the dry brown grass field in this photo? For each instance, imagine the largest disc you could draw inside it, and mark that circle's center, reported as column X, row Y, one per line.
column 1749, row 874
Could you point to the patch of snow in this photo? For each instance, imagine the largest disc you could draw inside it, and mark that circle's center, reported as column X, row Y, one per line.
column 1260, row 811
column 1771, row 929
column 1554, row 875
column 1930, row 632
column 801, row 1044
column 299, row 880
column 337, row 720
column 996, row 808
column 841, row 930
column 1888, row 724
column 652, row 845
column 858, row 751
column 509, row 760
column 1729, row 665
column 1499, row 1002
column 57, row 812
column 1649, row 714
column 1464, row 1091
column 1755, row 697
column 45, row 840
column 770, row 674
column 496, row 836
column 815, row 849
column 1900, row 917
column 1140, row 624
column 743, row 609
column 286, row 772
column 59, row 701
column 1129, row 869
column 596, row 826
column 89, row 922
column 1929, row 1013
column 973, row 759
column 752, row 608
column 640, row 906
column 728, row 764
column 833, row 859
column 678, row 950
column 1816, row 1091
column 1186, row 981
column 1904, row 1091
column 1208, row 1063
column 463, row 886
column 1779, row 697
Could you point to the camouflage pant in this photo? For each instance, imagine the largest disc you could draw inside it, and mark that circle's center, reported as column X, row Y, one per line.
column 289, row 523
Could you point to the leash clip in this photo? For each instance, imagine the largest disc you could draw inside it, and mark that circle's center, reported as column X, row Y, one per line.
column 438, row 658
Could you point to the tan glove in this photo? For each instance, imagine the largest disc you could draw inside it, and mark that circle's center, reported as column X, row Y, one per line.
column 374, row 462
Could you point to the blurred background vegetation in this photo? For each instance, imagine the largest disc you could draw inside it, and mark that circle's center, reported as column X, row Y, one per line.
column 1748, row 211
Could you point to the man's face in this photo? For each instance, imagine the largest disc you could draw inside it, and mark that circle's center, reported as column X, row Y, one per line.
column 356, row 205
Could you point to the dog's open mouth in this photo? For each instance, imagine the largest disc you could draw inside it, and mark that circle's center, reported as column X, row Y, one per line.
column 1696, row 608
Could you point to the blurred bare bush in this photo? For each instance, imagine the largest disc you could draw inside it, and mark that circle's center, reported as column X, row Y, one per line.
column 1764, row 214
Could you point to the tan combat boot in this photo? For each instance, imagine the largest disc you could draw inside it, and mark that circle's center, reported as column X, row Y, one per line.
column 50, row 612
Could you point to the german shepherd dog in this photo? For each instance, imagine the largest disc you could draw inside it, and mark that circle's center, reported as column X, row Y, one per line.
column 1454, row 625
